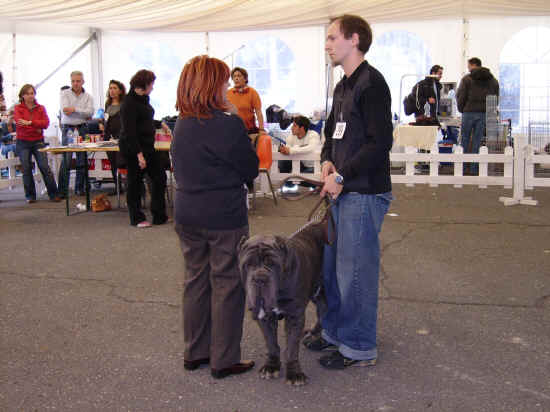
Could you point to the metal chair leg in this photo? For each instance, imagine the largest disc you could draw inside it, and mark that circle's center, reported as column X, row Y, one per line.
column 270, row 185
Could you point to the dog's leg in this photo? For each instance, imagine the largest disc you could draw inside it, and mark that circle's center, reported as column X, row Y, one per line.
column 294, row 327
column 272, row 365
column 320, row 302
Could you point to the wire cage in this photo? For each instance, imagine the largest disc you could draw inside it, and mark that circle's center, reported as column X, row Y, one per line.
column 538, row 136
column 497, row 131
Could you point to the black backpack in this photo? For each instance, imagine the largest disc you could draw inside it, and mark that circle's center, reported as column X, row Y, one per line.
column 410, row 103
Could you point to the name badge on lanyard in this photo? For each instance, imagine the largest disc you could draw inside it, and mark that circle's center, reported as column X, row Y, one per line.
column 340, row 129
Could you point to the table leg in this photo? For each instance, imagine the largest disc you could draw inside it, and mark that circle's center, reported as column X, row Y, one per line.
column 87, row 181
column 67, row 161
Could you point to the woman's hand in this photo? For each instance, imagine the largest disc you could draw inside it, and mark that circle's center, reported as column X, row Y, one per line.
column 141, row 161
column 166, row 128
column 23, row 122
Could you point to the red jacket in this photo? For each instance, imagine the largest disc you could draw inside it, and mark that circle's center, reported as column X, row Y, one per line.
column 39, row 118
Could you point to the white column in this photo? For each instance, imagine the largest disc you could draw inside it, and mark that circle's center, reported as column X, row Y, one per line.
column 465, row 43
column 97, row 69
column 14, row 92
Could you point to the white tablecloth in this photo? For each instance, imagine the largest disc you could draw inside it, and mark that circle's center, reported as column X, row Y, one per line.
column 422, row 137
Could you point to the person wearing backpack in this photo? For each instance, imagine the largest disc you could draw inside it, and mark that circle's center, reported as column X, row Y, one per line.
column 426, row 91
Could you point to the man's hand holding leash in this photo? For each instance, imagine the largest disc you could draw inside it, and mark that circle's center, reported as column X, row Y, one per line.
column 328, row 175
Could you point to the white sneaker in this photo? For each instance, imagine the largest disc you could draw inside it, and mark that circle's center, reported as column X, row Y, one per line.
column 144, row 224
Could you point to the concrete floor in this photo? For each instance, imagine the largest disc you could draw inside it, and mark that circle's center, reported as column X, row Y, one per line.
column 90, row 313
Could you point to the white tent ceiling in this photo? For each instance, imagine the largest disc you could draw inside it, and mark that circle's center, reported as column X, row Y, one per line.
column 216, row 15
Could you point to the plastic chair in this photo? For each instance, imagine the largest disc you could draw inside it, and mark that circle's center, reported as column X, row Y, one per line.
column 264, row 152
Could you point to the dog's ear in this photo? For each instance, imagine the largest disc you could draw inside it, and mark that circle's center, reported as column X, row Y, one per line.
column 241, row 243
column 280, row 245
column 288, row 254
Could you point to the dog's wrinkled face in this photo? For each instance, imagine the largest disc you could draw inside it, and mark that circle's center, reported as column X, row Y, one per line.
column 262, row 263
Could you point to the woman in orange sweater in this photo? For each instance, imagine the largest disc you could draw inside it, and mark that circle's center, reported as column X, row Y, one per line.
column 246, row 100
column 31, row 120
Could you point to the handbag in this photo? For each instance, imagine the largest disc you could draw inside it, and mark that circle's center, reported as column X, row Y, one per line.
column 101, row 203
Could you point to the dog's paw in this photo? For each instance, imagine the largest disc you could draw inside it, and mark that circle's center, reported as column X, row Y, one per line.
column 294, row 374
column 271, row 368
column 296, row 378
column 269, row 372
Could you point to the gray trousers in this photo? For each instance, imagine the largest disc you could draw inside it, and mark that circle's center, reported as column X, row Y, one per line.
column 213, row 295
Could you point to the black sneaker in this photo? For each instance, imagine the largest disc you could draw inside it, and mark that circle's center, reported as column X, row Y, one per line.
column 318, row 344
column 338, row 361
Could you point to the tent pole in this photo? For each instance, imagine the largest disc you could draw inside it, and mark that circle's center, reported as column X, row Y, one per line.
column 465, row 43
column 97, row 67
column 66, row 60
column 14, row 69
column 329, row 75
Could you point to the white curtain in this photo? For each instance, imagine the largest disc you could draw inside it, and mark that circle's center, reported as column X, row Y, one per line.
column 165, row 54
column 285, row 66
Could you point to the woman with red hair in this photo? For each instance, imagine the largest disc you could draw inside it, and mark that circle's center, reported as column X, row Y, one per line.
column 212, row 158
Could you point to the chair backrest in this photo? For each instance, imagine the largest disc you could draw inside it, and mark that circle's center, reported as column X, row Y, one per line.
column 263, row 150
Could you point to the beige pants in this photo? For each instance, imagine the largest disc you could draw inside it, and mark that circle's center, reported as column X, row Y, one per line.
column 213, row 295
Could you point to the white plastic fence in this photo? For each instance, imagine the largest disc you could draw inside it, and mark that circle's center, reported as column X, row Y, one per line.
column 533, row 159
column 524, row 162
column 12, row 180
column 434, row 158
column 518, row 169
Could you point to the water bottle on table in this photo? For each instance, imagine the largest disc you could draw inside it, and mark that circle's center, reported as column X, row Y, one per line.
column 427, row 109
column 70, row 137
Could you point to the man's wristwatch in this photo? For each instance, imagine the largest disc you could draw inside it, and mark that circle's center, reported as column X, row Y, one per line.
column 339, row 179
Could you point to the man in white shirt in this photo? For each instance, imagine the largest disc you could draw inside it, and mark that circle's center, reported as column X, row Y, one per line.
column 301, row 141
column 77, row 107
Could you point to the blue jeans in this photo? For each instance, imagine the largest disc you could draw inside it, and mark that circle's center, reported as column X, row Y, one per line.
column 64, row 178
column 351, row 270
column 473, row 124
column 5, row 148
column 25, row 149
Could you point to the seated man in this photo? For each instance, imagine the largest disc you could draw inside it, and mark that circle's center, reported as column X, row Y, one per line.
column 301, row 141
column 7, row 135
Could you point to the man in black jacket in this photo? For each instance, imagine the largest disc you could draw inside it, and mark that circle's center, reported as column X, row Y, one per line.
column 428, row 91
column 356, row 172
column 470, row 98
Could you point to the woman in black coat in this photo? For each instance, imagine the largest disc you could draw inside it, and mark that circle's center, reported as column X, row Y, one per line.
column 137, row 144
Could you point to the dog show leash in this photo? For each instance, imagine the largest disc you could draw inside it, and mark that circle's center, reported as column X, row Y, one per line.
column 317, row 186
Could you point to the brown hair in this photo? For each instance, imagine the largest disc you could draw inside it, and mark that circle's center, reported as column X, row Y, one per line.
column 350, row 24
column 241, row 71
column 475, row 61
column 24, row 90
column 122, row 89
column 435, row 68
column 200, row 88
column 142, row 79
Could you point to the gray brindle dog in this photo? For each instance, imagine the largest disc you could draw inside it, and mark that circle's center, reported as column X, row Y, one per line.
column 281, row 275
